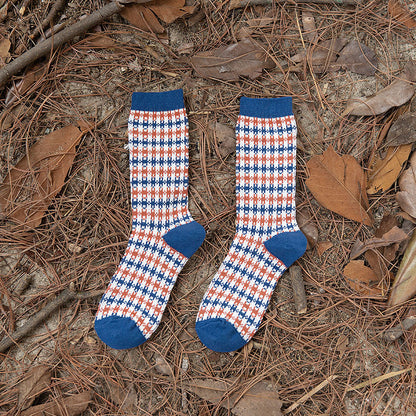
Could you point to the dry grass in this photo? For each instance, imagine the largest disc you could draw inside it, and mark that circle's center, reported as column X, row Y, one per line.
column 84, row 234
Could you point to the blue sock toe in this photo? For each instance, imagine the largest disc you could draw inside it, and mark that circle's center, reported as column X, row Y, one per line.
column 219, row 335
column 119, row 332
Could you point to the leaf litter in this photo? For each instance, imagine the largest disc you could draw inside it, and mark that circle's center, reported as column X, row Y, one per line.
column 406, row 197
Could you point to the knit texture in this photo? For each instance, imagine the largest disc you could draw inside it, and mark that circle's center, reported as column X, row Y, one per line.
column 268, row 239
column 164, row 234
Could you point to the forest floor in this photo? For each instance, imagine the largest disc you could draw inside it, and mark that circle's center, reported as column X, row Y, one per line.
column 313, row 362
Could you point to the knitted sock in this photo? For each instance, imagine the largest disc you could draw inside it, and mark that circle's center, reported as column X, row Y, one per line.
column 164, row 234
column 268, row 239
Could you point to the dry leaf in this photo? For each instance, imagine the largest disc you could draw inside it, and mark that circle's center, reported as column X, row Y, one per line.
column 69, row 406
column 29, row 187
column 126, row 398
column 161, row 366
column 387, row 223
column 397, row 93
column 142, row 17
column 323, row 246
column 339, row 53
column 30, row 78
column 403, row 131
column 4, row 51
column 224, row 138
column 361, row 278
column 358, row 58
column 145, row 17
column 339, row 184
column 245, row 58
column 395, row 235
column 342, row 344
column 385, row 171
column 407, row 183
column 376, row 263
column 308, row 227
column 34, row 383
column 97, row 41
column 259, row 400
column 404, row 286
column 400, row 13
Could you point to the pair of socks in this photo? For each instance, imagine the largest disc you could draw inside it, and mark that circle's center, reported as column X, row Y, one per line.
column 164, row 235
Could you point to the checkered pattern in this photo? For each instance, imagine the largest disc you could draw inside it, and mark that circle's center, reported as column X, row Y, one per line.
column 266, row 167
column 141, row 286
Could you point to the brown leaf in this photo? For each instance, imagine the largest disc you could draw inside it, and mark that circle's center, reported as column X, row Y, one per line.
column 224, row 138
column 358, row 58
column 307, row 224
column 34, row 383
column 170, row 10
column 385, row 171
column 395, row 235
column 406, row 198
column 126, row 398
column 260, row 400
column 400, row 13
column 4, row 51
column 245, row 58
column 97, row 41
column 339, row 53
column 387, row 223
column 323, row 246
column 339, row 183
column 142, row 17
column 403, row 131
column 376, row 263
column 397, row 93
column 361, row 278
column 29, row 187
column 323, row 55
column 404, row 286
column 69, row 406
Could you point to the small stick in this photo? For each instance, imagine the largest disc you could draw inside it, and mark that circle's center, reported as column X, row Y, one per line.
column 378, row 379
column 310, row 394
column 397, row 331
column 45, row 47
column 55, row 9
column 298, row 289
column 235, row 4
column 65, row 296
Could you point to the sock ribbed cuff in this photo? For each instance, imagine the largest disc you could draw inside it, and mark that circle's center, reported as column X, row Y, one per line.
column 157, row 101
column 266, row 107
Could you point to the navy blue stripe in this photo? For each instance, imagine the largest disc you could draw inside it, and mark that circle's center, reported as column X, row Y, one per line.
column 266, row 107
column 157, row 101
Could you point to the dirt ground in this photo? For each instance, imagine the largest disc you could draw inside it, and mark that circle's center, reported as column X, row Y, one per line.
column 83, row 236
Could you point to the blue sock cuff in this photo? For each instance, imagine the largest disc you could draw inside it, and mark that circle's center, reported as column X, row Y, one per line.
column 266, row 107
column 157, row 101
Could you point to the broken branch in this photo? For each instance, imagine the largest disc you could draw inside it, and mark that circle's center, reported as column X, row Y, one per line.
column 298, row 289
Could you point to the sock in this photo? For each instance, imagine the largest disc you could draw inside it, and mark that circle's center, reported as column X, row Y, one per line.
column 164, row 235
column 268, row 239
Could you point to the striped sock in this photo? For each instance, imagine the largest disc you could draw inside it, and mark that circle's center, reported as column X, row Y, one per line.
column 268, row 239
column 164, row 234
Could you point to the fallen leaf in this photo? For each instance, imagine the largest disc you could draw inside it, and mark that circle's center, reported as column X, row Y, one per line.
column 69, row 406
column 323, row 246
column 30, row 78
column 396, row 94
column 404, row 286
column 387, row 223
column 385, row 171
column 34, row 383
column 376, row 262
column 126, row 398
column 342, row 344
column 161, row 366
column 28, row 188
column 323, row 55
column 170, row 10
column 259, row 400
column 339, row 184
column 142, row 17
column 224, row 138
column 145, row 17
column 339, row 53
column 307, row 225
column 97, row 41
column 403, row 131
column 395, row 235
column 4, row 51
column 245, row 58
column 406, row 198
column 361, row 278
column 358, row 58
column 400, row 13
